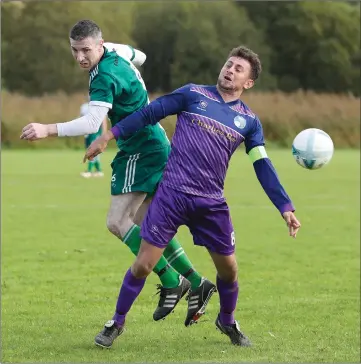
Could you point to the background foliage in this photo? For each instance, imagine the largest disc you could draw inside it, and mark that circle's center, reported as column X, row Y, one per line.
column 310, row 53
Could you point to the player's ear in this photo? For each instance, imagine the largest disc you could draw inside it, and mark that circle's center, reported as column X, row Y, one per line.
column 248, row 84
column 101, row 42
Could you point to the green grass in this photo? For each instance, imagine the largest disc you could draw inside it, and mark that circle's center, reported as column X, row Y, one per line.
column 62, row 269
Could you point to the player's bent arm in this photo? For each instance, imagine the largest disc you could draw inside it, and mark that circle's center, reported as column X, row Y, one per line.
column 87, row 124
column 150, row 115
column 136, row 56
column 268, row 179
column 139, row 58
column 105, row 125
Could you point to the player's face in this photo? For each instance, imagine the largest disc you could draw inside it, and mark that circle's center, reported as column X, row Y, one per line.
column 235, row 75
column 87, row 52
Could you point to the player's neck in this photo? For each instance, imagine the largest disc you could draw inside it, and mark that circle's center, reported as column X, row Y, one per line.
column 99, row 59
column 101, row 54
column 229, row 96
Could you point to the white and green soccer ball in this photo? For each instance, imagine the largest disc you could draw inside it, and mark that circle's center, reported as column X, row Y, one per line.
column 312, row 148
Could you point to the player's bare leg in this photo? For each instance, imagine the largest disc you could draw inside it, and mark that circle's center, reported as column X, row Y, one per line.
column 227, row 285
column 131, row 207
column 133, row 284
column 142, row 211
column 122, row 211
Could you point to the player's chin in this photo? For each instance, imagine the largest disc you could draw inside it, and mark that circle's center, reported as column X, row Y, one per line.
column 85, row 66
column 226, row 85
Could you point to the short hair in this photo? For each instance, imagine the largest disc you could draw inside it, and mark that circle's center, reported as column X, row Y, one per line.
column 84, row 29
column 251, row 57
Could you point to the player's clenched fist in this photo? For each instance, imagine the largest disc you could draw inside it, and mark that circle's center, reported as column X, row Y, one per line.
column 34, row 131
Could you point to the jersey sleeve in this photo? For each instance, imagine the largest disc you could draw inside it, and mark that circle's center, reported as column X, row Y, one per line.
column 123, row 50
column 255, row 137
column 151, row 114
column 265, row 172
column 127, row 52
column 84, row 109
column 102, row 90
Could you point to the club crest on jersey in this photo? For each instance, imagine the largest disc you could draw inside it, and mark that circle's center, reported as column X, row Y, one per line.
column 202, row 105
column 240, row 122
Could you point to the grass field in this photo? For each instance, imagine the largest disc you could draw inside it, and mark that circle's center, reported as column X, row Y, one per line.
column 62, row 269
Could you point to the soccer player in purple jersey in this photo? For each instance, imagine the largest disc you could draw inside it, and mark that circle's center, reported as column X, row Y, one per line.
column 212, row 122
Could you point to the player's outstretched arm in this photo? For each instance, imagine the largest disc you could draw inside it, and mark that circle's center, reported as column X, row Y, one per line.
column 268, row 178
column 87, row 124
column 150, row 115
column 271, row 184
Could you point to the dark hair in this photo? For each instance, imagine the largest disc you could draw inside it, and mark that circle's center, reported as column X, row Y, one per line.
column 84, row 29
column 251, row 57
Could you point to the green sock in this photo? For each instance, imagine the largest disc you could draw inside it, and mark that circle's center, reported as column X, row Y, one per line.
column 97, row 166
column 178, row 259
column 167, row 275
column 90, row 166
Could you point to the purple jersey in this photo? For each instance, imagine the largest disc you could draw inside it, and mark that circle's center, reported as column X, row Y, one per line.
column 208, row 131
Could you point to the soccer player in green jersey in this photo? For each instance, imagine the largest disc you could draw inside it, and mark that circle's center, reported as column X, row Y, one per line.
column 116, row 89
column 88, row 139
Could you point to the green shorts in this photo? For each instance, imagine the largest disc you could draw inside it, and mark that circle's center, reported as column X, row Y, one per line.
column 140, row 172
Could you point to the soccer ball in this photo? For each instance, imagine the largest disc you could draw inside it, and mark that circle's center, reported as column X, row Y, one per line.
column 312, row 148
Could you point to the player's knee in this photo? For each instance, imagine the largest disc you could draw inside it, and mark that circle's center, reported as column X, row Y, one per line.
column 142, row 268
column 229, row 273
column 118, row 226
column 113, row 225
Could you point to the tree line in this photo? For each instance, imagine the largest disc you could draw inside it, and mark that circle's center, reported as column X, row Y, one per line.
column 303, row 45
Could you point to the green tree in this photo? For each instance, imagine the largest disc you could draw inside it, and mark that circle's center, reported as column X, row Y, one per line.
column 155, row 30
column 37, row 58
column 189, row 41
column 10, row 14
column 315, row 45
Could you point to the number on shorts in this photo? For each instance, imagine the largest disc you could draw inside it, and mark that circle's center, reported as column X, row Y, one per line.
column 233, row 239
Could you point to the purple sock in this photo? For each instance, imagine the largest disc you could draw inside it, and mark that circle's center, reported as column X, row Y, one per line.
column 129, row 291
column 228, row 294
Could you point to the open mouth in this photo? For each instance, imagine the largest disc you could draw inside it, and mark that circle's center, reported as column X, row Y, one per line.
column 227, row 78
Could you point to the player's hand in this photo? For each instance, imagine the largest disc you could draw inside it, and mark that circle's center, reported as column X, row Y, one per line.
column 98, row 146
column 35, row 131
column 292, row 223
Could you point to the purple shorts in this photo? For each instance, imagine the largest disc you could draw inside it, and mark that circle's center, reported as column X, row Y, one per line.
column 208, row 220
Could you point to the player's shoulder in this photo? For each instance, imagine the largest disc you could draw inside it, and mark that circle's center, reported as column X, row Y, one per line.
column 183, row 89
column 245, row 118
column 107, row 70
column 108, row 61
column 194, row 87
column 194, row 91
column 247, row 110
column 250, row 116
column 124, row 51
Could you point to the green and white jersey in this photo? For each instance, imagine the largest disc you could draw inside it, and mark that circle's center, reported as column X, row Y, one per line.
column 116, row 83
